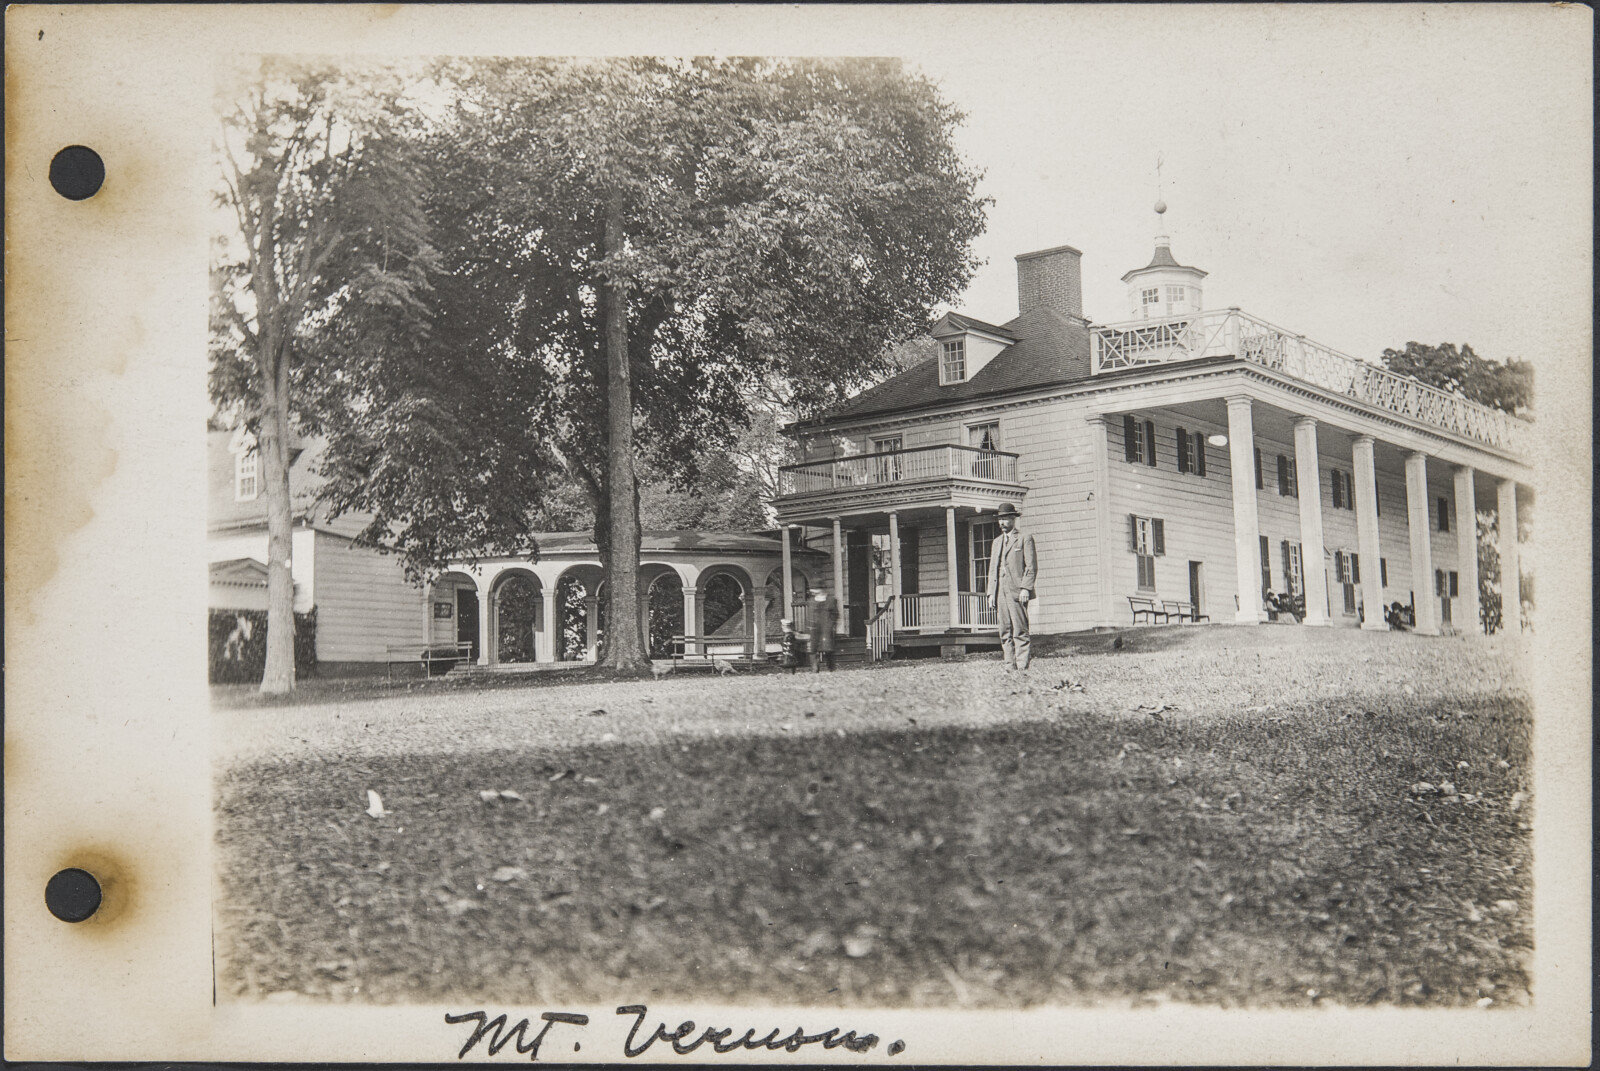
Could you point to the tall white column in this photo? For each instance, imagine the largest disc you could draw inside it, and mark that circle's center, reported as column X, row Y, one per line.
column 691, row 619
column 1246, row 528
column 427, row 611
column 759, row 632
column 894, row 566
column 1510, row 560
column 1422, row 585
column 788, row 577
column 1308, row 471
column 550, row 636
column 1467, row 547
column 841, row 624
column 950, row 566
column 591, row 627
column 1364, row 472
column 487, row 655
column 1105, row 584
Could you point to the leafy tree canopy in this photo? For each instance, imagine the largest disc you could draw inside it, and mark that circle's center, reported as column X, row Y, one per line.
column 1507, row 386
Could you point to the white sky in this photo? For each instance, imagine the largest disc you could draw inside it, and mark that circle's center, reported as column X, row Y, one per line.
column 1363, row 175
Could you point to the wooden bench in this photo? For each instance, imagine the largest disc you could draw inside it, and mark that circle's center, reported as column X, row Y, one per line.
column 1183, row 611
column 427, row 654
column 1146, row 606
column 708, row 650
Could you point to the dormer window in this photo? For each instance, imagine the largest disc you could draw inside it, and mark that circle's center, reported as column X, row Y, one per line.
column 1151, row 295
column 246, row 474
column 953, row 361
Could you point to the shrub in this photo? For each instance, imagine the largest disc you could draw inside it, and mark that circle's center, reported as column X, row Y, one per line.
column 238, row 645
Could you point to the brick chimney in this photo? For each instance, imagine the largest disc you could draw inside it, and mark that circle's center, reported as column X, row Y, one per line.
column 1050, row 281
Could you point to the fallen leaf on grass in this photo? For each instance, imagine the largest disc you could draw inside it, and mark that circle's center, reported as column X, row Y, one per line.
column 375, row 805
column 510, row 794
column 489, row 795
column 509, row 873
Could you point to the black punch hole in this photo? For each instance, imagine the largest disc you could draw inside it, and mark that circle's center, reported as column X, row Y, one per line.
column 72, row 895
column 77, row 172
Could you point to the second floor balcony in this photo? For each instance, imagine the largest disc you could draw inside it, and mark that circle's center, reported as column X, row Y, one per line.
column 915, row 476
column 1232, row 333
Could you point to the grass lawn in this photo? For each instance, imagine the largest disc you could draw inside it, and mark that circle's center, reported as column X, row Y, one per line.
column 1215, row 815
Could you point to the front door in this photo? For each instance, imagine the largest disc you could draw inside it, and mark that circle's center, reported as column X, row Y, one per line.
column 858, row 578
column 1197, row 584
column 467, row 618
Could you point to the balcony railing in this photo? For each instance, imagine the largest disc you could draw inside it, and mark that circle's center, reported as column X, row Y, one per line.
column 898, row 466
column 1231, row 333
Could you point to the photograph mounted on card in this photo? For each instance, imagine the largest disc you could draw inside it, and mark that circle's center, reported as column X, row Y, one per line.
column 719, row 534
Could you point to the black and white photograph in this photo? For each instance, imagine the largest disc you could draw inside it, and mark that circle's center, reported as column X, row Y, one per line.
column 718, row 545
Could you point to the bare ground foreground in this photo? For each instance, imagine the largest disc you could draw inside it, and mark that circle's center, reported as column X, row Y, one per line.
column 1259, row 817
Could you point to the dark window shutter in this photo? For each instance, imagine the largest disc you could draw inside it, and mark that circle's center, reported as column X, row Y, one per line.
column 1158, row 535
column 1199, row 453
column 1355, row 568
column 1444, row 514
column 1338, row 500
column 1183, row 450
column 910, row 560
column 1455, row 584
column 1340, row 575
column 1133, row 533
column 1259, row 484
column 1288, row 569
column 1150, row 442
column 1377, row 502
column 1383, row 571
column 1283, row 475
column 1266, row 565
column 1130, row 438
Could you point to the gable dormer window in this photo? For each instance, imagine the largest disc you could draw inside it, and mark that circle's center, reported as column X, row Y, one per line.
column 952, row 361
column 246, row 474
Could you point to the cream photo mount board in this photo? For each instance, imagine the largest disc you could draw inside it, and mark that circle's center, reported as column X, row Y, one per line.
column 108, row 742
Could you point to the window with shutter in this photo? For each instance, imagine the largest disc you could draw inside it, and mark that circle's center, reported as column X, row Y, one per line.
column 1288, row 568
column 1130, row 438
column 1338, row 567
column 1266, row 565
column 1150, row 442
column 1183, row 450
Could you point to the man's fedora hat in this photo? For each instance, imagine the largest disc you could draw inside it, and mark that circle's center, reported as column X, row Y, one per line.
column 1007, row 510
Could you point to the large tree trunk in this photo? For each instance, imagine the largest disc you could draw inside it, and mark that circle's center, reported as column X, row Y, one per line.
column 272, row 443
column 625, row 645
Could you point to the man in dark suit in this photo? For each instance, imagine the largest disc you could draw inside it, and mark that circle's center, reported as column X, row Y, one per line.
column 1013, row 568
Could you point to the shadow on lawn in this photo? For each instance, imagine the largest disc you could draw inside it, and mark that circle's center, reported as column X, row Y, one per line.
column 1231, row 860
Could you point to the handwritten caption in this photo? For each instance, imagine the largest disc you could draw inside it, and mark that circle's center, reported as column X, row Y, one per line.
column 497, row 1034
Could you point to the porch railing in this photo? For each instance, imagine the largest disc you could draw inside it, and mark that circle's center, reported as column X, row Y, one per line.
column 880, row 633
column 930, row 611
column 1232, row 333
column 946, row 461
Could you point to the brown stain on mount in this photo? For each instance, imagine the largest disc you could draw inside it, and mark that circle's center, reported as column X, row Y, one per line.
column 119, row 891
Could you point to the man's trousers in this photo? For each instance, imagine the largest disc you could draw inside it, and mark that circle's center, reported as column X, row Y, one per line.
column 1014, row 639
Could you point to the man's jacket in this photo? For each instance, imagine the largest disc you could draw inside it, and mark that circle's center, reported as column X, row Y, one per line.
column 1012, row 565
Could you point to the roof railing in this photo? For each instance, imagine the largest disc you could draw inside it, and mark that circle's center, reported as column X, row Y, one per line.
column 939, row 462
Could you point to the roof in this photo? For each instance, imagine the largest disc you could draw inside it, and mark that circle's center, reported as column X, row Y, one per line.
column 582, row 543
column 1050, row 349
column 1162, row 259
column 972, row 323
column 239, row 572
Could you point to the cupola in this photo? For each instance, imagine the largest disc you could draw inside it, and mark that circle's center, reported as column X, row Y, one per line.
column 1163, row 287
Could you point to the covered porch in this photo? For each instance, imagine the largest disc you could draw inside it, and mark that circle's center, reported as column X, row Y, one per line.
column 908, row 535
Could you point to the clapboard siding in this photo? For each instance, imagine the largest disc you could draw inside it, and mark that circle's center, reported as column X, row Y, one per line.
column 1057, row 466
column 364, row 603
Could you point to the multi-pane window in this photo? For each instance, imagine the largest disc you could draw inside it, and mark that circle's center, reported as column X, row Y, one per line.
column 1150, row 295
column 1147, row 541
column 983, row 535
column 953, row 360
column 1347, row 573
column 886, row 468
column 1444, row 514
column 1342, row 490
column 1294, row 579
column 1139, row 440
column 1177, row 293
column 1266, row 566
column 1288, row 483
column 1191, row 452
column 985, row 437
column 246, row 474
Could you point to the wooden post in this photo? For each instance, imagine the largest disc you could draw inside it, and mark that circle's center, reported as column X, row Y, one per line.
column 950, row 565
column 1417, row 517
column 841, row 624
column 788, row 577
column 894, row 566
column 1365, row 474
column 1467, row 546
